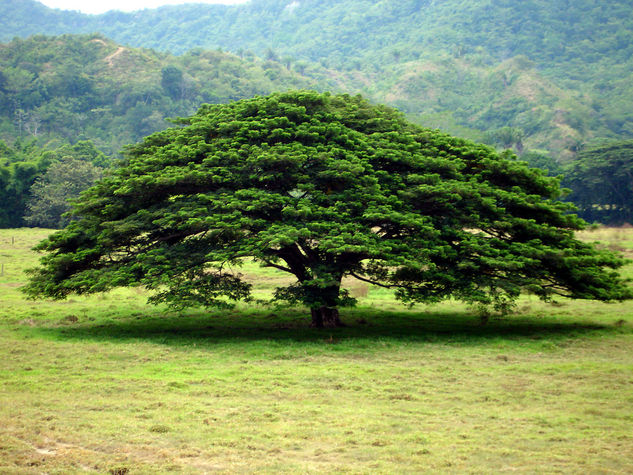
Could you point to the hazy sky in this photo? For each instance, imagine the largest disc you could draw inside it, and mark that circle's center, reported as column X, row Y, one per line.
column 100, row 6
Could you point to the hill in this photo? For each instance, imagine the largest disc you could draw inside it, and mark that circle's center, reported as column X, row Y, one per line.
column 558, row 71
column 89, row 87
column 552, row 33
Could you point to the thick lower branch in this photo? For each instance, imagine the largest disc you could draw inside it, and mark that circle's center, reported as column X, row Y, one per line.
column 295, row 260
column 379, row 284
column 277, row 266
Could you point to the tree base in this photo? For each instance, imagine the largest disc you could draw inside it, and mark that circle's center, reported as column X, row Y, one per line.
column 325, row 317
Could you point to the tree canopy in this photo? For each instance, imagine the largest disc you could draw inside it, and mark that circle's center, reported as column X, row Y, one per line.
column 62, row 181
column 601, row 179
column 322, row 186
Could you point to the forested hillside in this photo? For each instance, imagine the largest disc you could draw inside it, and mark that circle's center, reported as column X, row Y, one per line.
column 75, row 87
column 553, row 33
column 556, row 71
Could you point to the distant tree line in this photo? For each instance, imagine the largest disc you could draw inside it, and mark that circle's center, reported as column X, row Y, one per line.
column 36, row 184
column 601, row 179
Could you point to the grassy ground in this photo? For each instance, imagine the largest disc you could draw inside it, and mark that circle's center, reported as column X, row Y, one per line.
column 108, row 384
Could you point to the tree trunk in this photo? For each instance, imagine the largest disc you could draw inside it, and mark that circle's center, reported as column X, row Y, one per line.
column 325, row 317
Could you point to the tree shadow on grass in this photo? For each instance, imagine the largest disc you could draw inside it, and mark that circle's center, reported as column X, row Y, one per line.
column 289, row 326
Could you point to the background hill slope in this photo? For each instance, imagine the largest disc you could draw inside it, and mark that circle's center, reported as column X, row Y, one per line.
column 76, row 87
column 558, row 71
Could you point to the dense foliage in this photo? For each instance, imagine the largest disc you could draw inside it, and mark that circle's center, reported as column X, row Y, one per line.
column 601, row 179
column 322, row 187
column 22, row 164
column 51, row 192
column 377, row 32
column 75, row 87
column 558, row 70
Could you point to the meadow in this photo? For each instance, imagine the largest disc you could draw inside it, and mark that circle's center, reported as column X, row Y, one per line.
column 108, row 384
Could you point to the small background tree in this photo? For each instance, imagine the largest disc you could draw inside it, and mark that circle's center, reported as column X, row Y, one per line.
column 601, row 179
column 51, row 193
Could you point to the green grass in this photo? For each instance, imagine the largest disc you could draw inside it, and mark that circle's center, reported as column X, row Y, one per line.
column 107, row 384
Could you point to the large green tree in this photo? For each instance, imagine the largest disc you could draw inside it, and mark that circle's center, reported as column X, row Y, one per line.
column 322, row 187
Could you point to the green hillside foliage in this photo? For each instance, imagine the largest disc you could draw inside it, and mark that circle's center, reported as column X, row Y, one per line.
column 559, row 70
column 88, row 87
column 377, row 31
column 462, row 97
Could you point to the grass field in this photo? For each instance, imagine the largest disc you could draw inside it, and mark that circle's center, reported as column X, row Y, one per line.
column 109, row 385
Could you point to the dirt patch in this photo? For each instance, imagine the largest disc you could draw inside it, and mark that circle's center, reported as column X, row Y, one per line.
column 110, row 59
column 529, row 88
column 46, row 451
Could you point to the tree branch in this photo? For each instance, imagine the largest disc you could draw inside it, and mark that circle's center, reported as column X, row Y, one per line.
column 379, row 284
column 296, row 261
column 277, row 266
